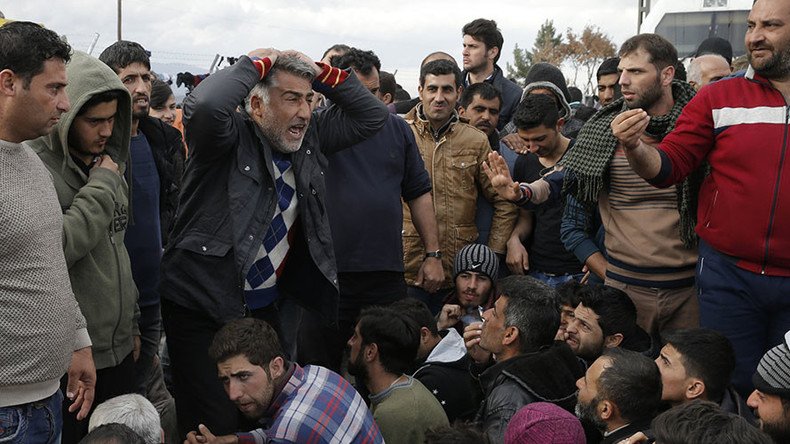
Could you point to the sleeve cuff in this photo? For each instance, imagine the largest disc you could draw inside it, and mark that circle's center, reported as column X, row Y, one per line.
column 661, row 179
column 585, row 249
column 263, row 65
column 82, row 339
column 330, row 77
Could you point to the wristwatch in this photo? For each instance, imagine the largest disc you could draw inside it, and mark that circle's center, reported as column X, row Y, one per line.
column 437, row 254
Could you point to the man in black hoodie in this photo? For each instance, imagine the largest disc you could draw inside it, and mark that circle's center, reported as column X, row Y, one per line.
column 518, row 331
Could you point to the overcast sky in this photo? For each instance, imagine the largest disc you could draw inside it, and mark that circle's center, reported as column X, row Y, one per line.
column 401, row 32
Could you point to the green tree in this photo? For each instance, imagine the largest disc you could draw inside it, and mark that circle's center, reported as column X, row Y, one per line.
column 548, row 47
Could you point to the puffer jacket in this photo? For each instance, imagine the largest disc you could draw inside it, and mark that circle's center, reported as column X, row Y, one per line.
column 454, row 164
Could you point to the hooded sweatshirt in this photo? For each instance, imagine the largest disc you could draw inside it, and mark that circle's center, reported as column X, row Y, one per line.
column 95, row 215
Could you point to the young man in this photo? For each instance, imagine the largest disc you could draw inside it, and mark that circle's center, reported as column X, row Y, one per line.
column 452, row 152
column 475, row 271
column 480, row 104
column 482, row 48
column 382, row 349
column 86, row 155
column 293, row 404
column 44, row 333
column 608, row 78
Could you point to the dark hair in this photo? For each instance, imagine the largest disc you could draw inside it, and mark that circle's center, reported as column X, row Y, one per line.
column 576, row 94
column 703, row 422
column 532, row 308
column 662, row 52
column 536, row 110
column 249, row 337
column 102, row 97
column 123, row 53
column 609, row 66
column 487, row 32
column 631, row 381
column 160, row 92
column 418, row 312
column 387, row 84
column 568, row 293
column 616, row 311
column 680, row 71
column 486, row 91
column 112, row 433
column 25, row 46
column 339, row 47
column 442, row 56
column 706, row 354
column 440, row 68
column 458, row 433
column 358, row 60
column 395, row 334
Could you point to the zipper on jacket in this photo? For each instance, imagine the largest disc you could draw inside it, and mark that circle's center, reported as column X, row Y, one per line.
column 776, row 189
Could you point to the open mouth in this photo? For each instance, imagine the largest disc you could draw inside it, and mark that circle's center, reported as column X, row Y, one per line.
column 296, row 131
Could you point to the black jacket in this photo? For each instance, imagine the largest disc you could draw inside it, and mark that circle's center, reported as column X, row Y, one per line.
column 167, row 147
column 547, row 375
column 228, row 196
column 628, row 431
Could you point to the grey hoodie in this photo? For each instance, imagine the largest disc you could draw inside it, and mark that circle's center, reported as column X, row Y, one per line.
column 95, row 215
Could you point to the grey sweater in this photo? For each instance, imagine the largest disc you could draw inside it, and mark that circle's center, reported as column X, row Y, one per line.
column 40, row 321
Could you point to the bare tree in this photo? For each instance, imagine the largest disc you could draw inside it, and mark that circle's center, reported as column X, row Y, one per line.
column 587, row 51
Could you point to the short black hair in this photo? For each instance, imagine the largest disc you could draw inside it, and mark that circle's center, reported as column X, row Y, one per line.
column 568, row 293
column 387, row 84
column 532, row 308
column 632, row 382
column 123, row 53
column 661, row 51
column 609, row 66
column 160, row 92
column 249, row 337
column 418, row 312
column 25, row 46
column 112, row 433
column 358, row 60
column 576, row 94
column 102, row 97
column 616, row 311
column 338, row 47
column 705, row 354
column 486, row 91
column 536, row 110
column 440, row 68
column 487, row 32
column 395, row 334
column 704, row 422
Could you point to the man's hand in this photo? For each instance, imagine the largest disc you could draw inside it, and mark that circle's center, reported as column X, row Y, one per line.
column 517, row 258
column 629, row 126
column 449, row 316
column 106, row 162
column 136, row 349
column 204, row 436
column 262, row 53
column 81, row 382
column 639, row 437
column 515, row 143
column 499, row 175
column 472, row 334
column 430, row 276
column 304, row 57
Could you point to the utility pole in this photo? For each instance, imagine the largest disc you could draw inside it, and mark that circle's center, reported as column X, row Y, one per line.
column 119, row 20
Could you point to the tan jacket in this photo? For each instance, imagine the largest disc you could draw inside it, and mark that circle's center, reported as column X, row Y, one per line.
column 453, row 163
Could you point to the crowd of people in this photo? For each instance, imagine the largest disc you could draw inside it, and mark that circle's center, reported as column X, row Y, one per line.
column 298, row 253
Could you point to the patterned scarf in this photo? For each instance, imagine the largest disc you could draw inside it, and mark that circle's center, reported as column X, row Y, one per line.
column 589, row 160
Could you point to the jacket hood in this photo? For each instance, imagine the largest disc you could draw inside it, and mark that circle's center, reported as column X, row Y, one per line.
column 88, row 76
column 450, row 349
column 565, row 112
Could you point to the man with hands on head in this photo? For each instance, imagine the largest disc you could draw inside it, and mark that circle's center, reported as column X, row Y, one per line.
column 252, row 236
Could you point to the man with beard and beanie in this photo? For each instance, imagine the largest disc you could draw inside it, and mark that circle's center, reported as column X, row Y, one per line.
column 382, row 350
column 475, row 271
column 43, row 331
column 86, row 155
column 649, row 236
column 619, row 394
column 771, row 396
column 742, row 221
column 252, row 236
column 530, row 366
column 289, row 403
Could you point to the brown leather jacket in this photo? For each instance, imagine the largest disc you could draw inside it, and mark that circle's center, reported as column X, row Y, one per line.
column 453, row 163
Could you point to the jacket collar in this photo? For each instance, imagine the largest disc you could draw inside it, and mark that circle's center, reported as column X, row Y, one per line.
column 425, row 126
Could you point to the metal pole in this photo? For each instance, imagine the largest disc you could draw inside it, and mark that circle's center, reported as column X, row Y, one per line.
column 119, row 20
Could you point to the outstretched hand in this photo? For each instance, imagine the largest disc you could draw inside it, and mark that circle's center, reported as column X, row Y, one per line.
column 629, row 126
column 499, row 175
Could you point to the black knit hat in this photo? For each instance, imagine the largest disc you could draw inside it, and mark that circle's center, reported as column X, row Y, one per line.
column 477, row 258
column 773, row 371
column 715, row 45
column 546, row 72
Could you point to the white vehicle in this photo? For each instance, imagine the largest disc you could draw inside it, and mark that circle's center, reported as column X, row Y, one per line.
column 686, row 23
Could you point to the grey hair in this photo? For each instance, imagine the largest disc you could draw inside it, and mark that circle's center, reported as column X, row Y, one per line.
column 694, row 73
column 532, row 308
column 289, row 63
column 133, row 411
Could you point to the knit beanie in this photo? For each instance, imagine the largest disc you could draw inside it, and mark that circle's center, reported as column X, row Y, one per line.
column 546, row 72
column 477, row 258
column 544, row 423
column 715, row 45
column 773, row 371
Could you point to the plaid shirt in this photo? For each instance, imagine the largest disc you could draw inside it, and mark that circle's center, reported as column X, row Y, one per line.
column 316, row 406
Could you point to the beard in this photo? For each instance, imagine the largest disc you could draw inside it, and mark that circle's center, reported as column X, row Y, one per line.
column 357, row 369
column 648, row 97
column 779, row 431
column 775, row 67
column 586, row 412
column 276, row 136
